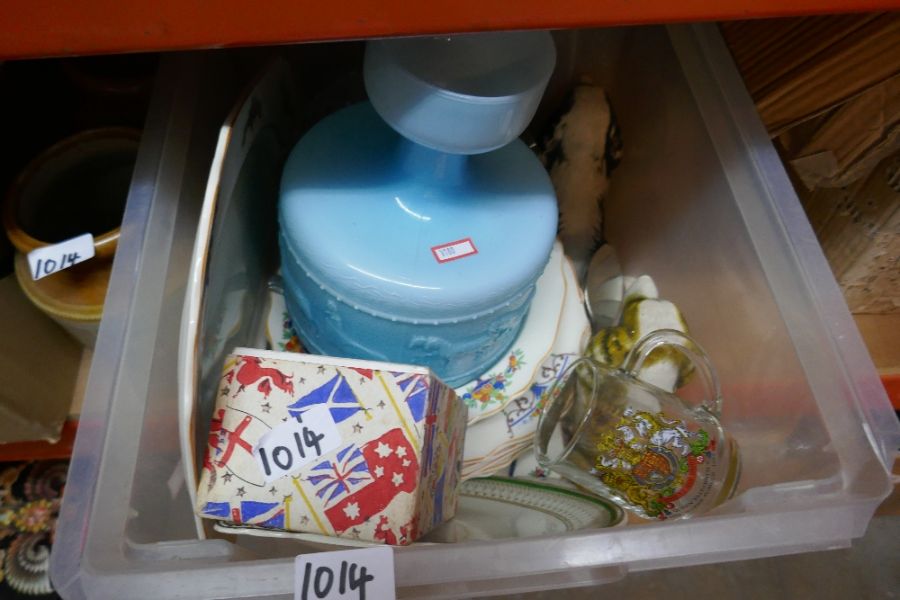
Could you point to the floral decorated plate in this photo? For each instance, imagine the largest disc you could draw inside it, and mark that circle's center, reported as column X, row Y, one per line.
column 496, row 441
column 280, row 334
column 517, row 371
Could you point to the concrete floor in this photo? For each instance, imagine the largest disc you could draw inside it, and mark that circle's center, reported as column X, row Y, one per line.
column 870, row 569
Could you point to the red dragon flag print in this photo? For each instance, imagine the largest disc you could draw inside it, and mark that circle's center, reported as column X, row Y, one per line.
column 390, row 476
column 250, row 371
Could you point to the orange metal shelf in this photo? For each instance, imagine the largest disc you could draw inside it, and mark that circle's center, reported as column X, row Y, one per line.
column 39, row 450
column 32, row 28
column 892, row 385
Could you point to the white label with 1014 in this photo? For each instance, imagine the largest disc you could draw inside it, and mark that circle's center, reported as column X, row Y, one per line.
column 362, row 574
column 50, row 259
column 292, row 444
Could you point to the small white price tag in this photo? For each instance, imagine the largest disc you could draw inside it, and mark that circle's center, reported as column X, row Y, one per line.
column 363, row 574
column 454, row 250
column 293, row 444
column 50, row 259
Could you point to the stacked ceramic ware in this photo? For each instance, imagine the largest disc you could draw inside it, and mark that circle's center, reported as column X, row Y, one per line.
column 414, row 226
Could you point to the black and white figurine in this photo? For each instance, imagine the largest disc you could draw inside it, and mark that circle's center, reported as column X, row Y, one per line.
column 580, row 155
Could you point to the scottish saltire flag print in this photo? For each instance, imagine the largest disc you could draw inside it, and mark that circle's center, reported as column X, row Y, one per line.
column 393, row 477
column 336, row 394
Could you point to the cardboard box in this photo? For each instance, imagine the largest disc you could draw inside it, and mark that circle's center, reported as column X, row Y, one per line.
column 859, row 230
column 338, row 447
column 39, row 367
column 798, row 68
column 846, row 146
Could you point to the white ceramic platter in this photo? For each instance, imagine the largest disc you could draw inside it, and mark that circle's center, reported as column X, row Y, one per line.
column 234, row 249
column 498, row 508
column 493, row 508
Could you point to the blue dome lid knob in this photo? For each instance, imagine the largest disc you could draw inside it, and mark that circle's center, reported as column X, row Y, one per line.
column 464, row 94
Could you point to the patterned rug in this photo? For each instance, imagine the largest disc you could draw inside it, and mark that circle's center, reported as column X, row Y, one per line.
column 30, row 494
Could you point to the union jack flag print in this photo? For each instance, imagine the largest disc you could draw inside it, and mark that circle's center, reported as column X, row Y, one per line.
column 347, row 472
column 336, row 394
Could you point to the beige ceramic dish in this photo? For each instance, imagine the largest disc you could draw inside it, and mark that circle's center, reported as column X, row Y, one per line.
column 78, row 185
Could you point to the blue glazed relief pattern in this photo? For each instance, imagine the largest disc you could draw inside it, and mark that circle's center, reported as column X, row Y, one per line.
column 357, row 233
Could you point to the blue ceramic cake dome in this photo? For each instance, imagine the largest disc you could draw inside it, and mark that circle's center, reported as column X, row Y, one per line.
column 393, row 250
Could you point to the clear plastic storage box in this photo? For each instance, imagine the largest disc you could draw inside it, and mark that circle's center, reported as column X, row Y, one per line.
column 700, row 201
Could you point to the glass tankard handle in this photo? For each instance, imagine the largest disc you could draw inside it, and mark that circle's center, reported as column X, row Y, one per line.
column 690, row 349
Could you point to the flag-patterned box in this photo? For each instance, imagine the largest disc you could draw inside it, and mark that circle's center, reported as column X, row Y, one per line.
column 332, row 446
